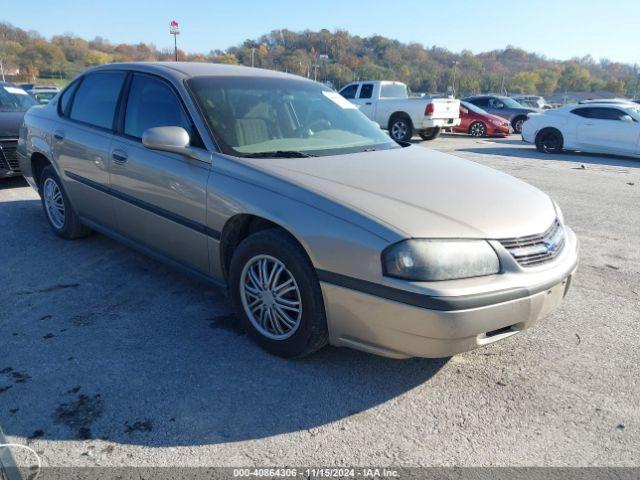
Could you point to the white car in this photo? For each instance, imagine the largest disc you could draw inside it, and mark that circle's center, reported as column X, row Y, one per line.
column 612, row 128
column 389, row 104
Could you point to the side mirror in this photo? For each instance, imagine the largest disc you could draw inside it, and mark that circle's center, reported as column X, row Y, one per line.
column 376, row 124
column 172, row 139
column 627, row 118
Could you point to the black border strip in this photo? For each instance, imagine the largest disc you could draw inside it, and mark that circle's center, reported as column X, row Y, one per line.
column 179, row 219
column 420, row 300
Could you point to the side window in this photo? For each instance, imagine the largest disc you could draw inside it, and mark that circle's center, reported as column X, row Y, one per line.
column 349, row 91
column 96, row 99
column 366, row 91
column 609, row 114
column 496, row 103
column 65, row 98
column 582, row 112
column 480, row 102
column 153, row 103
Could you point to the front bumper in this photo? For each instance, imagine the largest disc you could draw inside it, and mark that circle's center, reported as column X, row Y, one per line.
column 9, row 165
column 399, row 330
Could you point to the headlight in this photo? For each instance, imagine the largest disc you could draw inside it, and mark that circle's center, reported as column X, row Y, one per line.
column 497, row 122
column 428, row 260
column 558, row 212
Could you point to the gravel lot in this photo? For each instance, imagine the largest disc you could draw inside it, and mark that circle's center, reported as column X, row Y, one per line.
column 110, row 358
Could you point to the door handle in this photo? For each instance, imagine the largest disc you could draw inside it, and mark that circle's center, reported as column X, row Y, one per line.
column 368, row 103
column 119, row 156
column 58, row 135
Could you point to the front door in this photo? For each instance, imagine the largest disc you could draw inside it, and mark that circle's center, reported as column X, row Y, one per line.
column 159, row 197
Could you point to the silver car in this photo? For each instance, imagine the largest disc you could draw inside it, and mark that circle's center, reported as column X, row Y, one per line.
column 322, row 228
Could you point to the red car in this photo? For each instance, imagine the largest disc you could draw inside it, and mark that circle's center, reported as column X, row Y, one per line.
column 478, row 123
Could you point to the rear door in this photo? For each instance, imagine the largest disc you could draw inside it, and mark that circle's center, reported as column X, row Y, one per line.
column 82, row 139
column 159, row 197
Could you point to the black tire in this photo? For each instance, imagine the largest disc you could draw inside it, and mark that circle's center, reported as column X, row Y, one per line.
column 400, row 128
column 430, row 133
column 549, row 140
column 478, row 129
column 311, row 333
column 71, row 228
column 517, row 122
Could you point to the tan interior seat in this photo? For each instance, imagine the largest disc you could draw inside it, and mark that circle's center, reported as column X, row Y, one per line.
column 251, row 130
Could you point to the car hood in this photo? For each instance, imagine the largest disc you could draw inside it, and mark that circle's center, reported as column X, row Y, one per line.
column 10, row 123
column 422, row 193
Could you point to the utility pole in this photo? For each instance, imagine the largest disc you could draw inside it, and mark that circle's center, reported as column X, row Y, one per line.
column 174, row 29
column 253, row 54
column 453, row 87
column 2, row 70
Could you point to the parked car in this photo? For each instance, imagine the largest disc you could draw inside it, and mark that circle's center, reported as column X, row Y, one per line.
column 43, row 95
column 589, row 127
column 478, row 123
column 533, row 101
column 504, row 107
column 606, row 100
column 13, row 103
column 389, row 104
column 323, row 229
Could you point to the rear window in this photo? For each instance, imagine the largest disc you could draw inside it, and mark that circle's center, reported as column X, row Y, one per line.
column 96, row 99
column 393, row 90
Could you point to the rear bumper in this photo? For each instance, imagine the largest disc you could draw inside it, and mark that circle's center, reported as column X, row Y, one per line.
column 399, row 330
column 439, row 122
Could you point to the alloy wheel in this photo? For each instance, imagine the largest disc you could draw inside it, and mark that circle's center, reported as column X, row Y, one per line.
column 477, row 130
column 271, row 297
column 54, row 203
column 399, row 129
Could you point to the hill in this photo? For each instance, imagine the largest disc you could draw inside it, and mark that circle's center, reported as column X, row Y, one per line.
column 338, row 57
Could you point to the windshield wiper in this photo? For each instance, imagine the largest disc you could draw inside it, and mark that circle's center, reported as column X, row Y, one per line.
column 280, row 154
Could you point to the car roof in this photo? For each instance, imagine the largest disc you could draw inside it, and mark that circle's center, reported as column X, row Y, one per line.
column 181, row 70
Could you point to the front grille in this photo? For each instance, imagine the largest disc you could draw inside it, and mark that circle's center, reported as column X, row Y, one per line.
column 533, row 250
column 9, row 156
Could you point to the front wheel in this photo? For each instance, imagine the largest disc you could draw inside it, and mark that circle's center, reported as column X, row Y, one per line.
column 400, row 129
column 430, row 133
column 477, row 129
column 549, row 140
column 517, row 124
column 276, row 294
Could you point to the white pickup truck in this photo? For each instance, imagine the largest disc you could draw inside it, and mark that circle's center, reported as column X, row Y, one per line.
column 389, row 104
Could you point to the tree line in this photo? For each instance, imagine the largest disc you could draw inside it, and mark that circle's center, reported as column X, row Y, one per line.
column 337, row 57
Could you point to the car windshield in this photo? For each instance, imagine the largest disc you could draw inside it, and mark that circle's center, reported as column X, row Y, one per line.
column 473, row 108
column 14, row 99
column 270, row 117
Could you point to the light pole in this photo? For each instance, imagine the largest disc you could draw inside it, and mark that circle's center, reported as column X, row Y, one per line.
column 253, row 53
column 174, row 29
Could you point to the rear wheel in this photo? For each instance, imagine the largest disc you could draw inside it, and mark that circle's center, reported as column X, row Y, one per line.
column 400, row 128
column 276, row 294
column 477, row 129
column 549, row 140
column 430, row 133
column 62, row 218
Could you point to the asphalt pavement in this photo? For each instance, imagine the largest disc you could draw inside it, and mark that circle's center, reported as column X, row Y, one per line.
column 108, row 357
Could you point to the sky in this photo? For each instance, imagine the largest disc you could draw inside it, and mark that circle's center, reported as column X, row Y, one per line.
column 558, row 29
